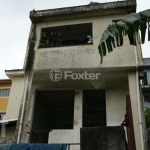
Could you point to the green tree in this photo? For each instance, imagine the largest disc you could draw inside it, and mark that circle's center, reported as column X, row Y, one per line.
column 130, row 25
column 147, row 117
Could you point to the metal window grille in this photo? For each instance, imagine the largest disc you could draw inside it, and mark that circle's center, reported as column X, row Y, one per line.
column 53, row 110
column 94, row 108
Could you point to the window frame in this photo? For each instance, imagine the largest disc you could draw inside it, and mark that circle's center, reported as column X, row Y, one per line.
column 6, row 95
column 38, row 46
column 35, row 104
column 99, row 108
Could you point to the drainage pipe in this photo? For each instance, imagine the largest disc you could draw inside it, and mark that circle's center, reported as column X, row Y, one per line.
column 22, row 112
column 138, row 98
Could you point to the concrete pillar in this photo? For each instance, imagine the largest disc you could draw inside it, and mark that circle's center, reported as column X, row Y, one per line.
column 77, row 115
column 135, row 111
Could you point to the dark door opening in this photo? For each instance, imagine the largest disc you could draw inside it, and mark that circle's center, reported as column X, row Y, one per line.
column 94, row 108
column 53, row 110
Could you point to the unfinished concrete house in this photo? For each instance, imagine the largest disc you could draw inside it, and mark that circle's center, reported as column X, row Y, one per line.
column 66, row 89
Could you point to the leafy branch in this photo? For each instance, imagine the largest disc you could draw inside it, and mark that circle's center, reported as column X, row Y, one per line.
column 129, row 25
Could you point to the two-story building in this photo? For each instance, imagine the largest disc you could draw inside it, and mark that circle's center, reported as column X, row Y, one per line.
column 65, row 86
column 10, row 100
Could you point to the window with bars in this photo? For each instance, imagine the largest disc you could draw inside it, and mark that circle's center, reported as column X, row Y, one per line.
column 4, row 92
column 94, row 108
column 53, row 110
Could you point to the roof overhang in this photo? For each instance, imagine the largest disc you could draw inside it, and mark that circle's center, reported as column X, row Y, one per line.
column 5, row 81
column 14, row 73
column 8, row 121
column 84, row 11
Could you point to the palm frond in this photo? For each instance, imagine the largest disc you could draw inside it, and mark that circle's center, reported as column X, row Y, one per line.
column 129, row 25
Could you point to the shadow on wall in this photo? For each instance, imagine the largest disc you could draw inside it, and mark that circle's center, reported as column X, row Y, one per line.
column 148, row 144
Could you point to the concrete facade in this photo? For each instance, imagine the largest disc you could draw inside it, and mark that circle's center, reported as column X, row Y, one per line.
column 77, row 56
column 117, row 70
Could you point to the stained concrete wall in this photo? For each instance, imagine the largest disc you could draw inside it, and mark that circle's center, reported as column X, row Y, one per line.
column 84, row 56
column 14, row 98
column 116, row 105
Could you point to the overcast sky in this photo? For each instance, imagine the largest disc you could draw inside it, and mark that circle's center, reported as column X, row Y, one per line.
column 15, row 25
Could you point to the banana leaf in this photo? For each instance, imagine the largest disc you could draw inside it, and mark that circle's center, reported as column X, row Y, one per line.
column 129, row 25
column 146, row 13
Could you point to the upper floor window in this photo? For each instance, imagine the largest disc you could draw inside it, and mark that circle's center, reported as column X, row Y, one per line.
column 69, row 35
column 4, row 92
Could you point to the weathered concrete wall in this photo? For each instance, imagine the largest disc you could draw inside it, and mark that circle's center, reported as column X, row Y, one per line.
column 84, row 56
column 116, row 105
column 14, row 98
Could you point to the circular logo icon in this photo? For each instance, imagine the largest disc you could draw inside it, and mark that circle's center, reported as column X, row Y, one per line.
column 55, row 75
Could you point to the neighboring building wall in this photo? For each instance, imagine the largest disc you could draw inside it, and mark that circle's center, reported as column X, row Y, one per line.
column 5, row 85
column 14, row 97
column 4, row 100
column 146, row 83
column 3, row 104
column 147, row 69
column 8, row 132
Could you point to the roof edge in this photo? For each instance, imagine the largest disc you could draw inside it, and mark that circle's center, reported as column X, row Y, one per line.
column 83, row 8
column 14, row 73
column 5, row 80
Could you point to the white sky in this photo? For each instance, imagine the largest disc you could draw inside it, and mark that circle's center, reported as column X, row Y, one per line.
column 15, row 25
